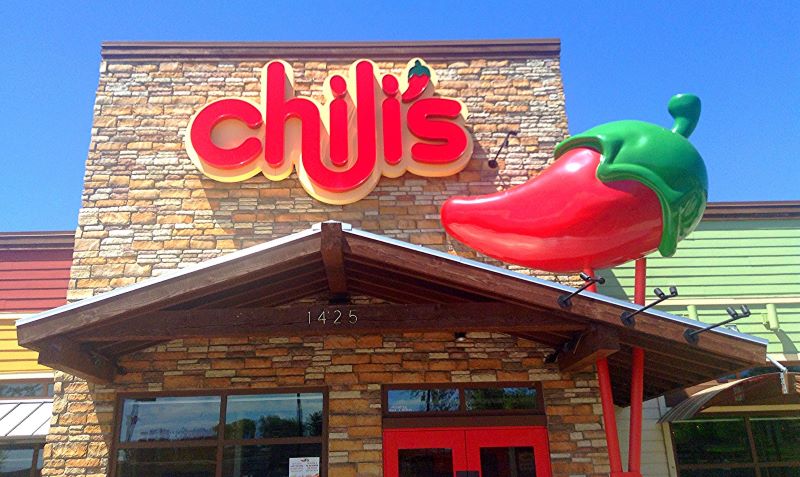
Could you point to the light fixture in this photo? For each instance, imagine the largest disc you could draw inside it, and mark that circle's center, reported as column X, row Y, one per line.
column 565, row 301
column 692, row 335
column 460, row 337
column 493, row 162
column 627, row 317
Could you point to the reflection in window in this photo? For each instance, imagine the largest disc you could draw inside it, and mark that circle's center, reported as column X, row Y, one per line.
column 16, row 462
column 24, row 389
column 21, row 460
column 273, row 415
column 170, row 418
column 508, row 462
column 777, row 440
column 167, row 462
column 264, row 461
column 780, row 472
column 719, row 472
column 722, row 447
column 173, row 436
column 711, row 442
column 501, row 398
column 423, row 400
column 427, row 462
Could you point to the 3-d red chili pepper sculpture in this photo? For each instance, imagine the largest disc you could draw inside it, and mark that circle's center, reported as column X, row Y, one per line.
column 615, row 193
column 418, row 78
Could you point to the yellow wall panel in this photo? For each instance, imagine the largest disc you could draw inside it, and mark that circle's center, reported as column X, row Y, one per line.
column 13, row 357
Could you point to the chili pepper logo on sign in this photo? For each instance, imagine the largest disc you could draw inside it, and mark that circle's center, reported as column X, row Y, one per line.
column 371, row 125
column 614, row 193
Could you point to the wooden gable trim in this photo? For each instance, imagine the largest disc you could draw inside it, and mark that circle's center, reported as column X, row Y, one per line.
column 165, row 291
column 315, row 319
column 518, row 291
column 153, row 51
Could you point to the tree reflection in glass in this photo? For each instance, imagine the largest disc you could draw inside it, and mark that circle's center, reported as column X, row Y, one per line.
column 423, row 400
column 170, row 418
column 274, row 415
column 501, row 398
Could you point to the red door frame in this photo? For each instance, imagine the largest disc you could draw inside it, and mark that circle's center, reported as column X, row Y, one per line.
column 466, row 443
column 396, row 439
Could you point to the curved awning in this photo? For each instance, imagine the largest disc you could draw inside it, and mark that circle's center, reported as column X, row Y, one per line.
column 753, row 394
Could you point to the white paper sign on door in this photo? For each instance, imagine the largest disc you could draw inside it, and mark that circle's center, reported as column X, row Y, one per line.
column 304, row 467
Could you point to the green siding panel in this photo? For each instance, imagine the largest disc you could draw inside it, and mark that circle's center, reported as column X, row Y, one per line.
column 785, row 339
column 730, row 260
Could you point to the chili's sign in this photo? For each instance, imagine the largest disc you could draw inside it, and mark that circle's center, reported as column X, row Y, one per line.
column 371, row 125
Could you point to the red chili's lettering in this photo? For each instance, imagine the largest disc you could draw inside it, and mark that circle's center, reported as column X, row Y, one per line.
column 339, row 150
column 432, row 119
column 213, row 114
column 280, row 108
column 392, row 128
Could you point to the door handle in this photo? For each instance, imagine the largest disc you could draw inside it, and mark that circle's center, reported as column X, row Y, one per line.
column 467, row 473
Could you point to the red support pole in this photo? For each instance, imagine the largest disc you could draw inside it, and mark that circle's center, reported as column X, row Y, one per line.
column 590, row 272
column 640, row 281
column 609, row 417
column 637, row 380
column 637, row 393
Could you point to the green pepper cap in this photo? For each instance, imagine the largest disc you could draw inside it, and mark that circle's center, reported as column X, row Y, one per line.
column 419, row 70
column 663, row 160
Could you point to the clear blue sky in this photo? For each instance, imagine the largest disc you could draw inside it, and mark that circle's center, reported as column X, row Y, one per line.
column 619, row 62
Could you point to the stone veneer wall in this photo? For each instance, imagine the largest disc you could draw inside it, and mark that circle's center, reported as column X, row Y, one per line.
column 146, row 209
column 354, row 368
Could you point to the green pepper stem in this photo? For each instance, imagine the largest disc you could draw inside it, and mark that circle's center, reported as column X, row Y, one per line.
column 685, row 108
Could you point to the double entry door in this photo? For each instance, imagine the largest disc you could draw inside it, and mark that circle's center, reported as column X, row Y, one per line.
column 466, row 452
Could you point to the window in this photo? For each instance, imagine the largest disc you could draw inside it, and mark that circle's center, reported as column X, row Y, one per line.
column 26, row 389
column 484, row 399
column 739, row 446
column 423, row 400
column 21, row 460
column 463, row 399
column 229, row 434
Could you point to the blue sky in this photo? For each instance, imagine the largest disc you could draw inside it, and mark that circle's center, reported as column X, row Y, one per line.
column 619, row 62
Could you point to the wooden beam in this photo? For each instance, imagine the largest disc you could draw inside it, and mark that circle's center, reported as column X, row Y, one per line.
column 71, row 357
column 593, row 344
column 332, row 248
column 462, row 276
column 302, row 320
column 169, row 290
column 444, row 50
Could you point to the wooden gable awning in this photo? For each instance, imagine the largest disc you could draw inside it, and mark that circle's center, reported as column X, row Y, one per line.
column 255, row 292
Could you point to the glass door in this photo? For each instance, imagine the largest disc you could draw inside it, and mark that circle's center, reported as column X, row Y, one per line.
column 423, row 452
column 467, row 452
column 508, row 452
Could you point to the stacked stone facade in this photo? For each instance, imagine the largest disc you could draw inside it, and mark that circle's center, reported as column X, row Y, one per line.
column 353, row 369
column 146, row 209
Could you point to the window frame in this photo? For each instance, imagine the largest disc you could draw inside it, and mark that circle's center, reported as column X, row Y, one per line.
column 220, row 442
column 463, row 417
column 38, row 449
column 754, row 464
column 45, row 382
